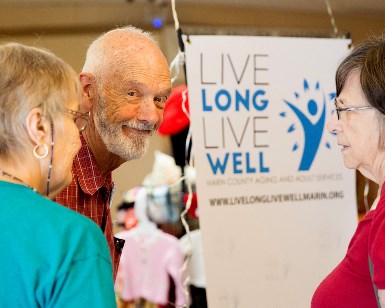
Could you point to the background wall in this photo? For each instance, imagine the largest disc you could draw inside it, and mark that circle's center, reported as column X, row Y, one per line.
column 68, row 27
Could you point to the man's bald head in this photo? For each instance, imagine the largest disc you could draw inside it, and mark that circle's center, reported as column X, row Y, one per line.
column 116, row 47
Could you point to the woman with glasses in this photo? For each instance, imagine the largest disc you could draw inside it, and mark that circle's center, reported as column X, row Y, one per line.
column 359, row 123
column 50, row 256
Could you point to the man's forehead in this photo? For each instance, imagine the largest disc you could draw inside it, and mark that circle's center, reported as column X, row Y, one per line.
column 161, row 86
column 141, row 62
column 132, row 58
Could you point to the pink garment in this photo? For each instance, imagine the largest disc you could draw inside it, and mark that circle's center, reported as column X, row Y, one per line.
column 147, row 261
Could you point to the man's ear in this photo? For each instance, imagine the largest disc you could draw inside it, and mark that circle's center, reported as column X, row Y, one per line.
column 88, row 84
column 38, row 126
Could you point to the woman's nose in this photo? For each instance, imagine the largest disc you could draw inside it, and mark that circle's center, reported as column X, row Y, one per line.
column 333, row 123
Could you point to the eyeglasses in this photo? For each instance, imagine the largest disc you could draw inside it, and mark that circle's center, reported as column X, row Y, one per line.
column 339, row 110
column 80, row 119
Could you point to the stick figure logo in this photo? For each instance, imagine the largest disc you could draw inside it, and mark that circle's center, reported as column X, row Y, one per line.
column 309, row 108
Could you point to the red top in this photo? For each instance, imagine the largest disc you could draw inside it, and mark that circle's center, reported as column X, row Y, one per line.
column 350, row 283
column 89, row 193
column 377, row 243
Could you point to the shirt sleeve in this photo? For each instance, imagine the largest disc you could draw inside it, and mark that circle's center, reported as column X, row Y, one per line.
column 174, row 266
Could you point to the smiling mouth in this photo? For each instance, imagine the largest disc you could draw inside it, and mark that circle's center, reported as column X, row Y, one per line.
column 130, row 130
column 343, row 147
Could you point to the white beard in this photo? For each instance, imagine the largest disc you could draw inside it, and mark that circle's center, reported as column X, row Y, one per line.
column 127, row 147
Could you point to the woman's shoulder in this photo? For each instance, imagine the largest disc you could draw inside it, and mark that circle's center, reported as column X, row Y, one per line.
column 60, row 220
column 67, row 216
column 48, row 212
column 78, row 232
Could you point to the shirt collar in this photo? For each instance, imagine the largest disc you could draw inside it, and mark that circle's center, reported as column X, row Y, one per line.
column 88, row 172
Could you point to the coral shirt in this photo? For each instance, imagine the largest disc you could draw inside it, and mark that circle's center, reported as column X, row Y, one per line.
column 350, row 283
column 89, row 194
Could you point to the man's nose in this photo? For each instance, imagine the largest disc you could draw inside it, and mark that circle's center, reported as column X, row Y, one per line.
column 149, row 113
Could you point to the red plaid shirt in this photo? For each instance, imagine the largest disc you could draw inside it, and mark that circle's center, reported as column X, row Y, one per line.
column 89, row 194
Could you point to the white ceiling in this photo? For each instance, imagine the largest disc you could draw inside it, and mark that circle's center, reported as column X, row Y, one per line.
column 312, row 5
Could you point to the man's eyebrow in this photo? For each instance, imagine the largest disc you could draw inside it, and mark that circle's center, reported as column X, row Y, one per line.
column 167, row 92
column 140, row 84
column 135, row 83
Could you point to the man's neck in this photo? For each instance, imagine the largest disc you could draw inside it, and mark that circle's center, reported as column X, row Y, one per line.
column 106, row 161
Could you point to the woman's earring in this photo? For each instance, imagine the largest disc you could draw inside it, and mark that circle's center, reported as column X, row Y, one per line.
column 36, row 154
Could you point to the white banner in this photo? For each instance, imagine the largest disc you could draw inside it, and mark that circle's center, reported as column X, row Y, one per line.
column 277, row 206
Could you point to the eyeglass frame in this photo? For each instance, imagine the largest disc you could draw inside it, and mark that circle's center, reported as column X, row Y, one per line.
column 338, row 110
column 78, row 115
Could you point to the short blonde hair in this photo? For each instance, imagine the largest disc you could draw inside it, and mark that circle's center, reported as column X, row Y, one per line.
column 31, row 77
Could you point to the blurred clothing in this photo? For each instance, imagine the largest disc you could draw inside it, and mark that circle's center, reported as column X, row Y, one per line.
column 148, row 260
column 195, row 266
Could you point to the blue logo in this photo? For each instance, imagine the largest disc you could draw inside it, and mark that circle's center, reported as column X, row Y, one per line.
column 309, row 108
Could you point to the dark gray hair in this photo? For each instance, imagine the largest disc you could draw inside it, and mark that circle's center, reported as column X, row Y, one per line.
column 368, row 58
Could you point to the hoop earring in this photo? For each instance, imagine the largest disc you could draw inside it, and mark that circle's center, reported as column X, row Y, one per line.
column 37, row 155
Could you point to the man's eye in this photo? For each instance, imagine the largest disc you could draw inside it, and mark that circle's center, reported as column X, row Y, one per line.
column 132, row 93
column 162, row 99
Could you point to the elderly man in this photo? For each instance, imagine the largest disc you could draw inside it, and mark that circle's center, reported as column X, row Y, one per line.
column 126, row 82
